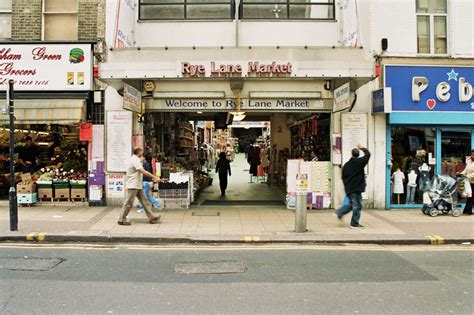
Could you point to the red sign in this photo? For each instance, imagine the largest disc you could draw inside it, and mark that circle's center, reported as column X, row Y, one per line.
column 85, row 132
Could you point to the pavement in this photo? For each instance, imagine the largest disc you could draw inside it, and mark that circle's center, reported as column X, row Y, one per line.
column 271, row 279
column 232, row 224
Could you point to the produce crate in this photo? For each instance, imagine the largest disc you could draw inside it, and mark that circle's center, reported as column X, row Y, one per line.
column 45, row 193
column 27, row 198
column 62, row 193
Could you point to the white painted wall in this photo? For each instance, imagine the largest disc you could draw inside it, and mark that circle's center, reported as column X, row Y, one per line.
column 396, row 21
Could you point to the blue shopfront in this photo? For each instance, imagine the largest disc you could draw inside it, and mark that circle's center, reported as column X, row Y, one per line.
column 430, row 127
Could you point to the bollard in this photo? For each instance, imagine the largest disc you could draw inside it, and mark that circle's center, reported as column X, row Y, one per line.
column 300, row 213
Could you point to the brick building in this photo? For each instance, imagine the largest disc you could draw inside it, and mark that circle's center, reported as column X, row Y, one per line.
column 28, row 20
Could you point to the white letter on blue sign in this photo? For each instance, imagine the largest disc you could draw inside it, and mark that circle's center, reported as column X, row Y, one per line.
column 419, row 84
column 465, row 90
column 442, row 91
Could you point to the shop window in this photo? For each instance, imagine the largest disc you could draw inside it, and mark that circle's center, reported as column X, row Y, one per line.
column 413, row 163
column 432, row 34
column 312, row 135
column 186, row 9
column 60, row 20
column 5, row 19
column 288, row 9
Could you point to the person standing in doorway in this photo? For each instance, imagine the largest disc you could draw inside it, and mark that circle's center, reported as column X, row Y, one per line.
column 353, row 176
column 223, row 168
column 469, row 173
column 27, row 156
column 134, row 188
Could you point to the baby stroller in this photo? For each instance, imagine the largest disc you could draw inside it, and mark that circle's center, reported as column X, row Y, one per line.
column 440, row 196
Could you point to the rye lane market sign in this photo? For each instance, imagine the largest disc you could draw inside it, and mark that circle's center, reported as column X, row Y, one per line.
column 292, row 105
column 46, row 67
column 250, row 69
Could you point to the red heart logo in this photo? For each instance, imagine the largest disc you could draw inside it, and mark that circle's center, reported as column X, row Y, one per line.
column 431, row 103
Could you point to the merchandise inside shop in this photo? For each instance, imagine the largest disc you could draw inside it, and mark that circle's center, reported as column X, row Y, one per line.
column 183, row 149
column 51, row 163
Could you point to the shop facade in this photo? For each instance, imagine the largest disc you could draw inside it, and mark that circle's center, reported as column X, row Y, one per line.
column 429, row 127
column 296, row 96
column 53, row 89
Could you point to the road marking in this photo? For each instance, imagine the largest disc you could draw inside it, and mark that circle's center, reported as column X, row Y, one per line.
column 248, row 239
column 256, row 238
column 439, row 239
column 41, row 237
column 30, row 236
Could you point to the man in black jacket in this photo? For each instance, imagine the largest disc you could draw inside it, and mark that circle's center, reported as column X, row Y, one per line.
column 353, row 176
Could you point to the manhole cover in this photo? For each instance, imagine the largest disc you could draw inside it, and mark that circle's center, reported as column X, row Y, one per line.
column 217, row 267
column 29, row 264
column 206, row 214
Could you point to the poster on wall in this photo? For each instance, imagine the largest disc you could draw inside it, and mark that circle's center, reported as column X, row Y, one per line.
column 119, row 140
column 354, row 132
column 124, row 23
column 115, row 185
column 46, row 67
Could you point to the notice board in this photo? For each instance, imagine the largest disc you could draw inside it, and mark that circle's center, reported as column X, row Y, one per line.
column 119, row 139
column 354, row 132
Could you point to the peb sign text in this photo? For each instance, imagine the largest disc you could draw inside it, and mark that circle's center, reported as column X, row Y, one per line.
column 431, row 88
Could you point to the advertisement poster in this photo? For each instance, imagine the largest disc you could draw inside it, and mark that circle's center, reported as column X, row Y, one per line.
column 124, row 23
column 46, row 67
column 354, row 132
column 350, row 23
column 119, row 140
column 116, row 185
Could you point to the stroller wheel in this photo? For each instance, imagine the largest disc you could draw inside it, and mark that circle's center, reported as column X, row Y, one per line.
column 456, row 212
column 433, row 212
column 425, row 209
column 445, row 211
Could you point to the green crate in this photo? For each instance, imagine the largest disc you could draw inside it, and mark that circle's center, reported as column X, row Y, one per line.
column 44, row 186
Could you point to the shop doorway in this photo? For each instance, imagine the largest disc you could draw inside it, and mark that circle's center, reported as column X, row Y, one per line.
column 191, row 142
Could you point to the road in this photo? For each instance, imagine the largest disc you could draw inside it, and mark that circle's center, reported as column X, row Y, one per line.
column 263, row 280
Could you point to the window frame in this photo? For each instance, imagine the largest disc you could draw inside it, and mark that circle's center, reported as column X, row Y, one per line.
column 51, row 13
column 431, row 17
column 288, row 4
column 185, row 5
column 5, row 13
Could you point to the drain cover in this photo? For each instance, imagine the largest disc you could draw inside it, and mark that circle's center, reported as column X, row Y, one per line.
column 29, row 264
column 215, row 267
column 206, row 214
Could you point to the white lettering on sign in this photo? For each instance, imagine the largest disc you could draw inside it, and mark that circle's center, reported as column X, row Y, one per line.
column 252, row 68
column 420, row 84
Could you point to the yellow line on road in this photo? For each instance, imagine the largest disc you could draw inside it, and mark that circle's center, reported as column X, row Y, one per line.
column 30, row 236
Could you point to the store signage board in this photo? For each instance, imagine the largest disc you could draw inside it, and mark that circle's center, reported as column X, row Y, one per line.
column 341, row 97
column 382, row 101
column 132, row 98
column 46, row 67
column 119, row 140
column 430, row 88
column 240, row 69
column 220, row 105
column 354, row 132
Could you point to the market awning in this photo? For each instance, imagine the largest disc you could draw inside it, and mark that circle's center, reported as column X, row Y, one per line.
column 60, row 111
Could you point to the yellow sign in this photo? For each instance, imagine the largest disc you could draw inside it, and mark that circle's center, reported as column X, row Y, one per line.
column 149, row 86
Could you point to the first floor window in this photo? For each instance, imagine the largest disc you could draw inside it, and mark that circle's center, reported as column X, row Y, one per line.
column 186, row 9
column 5, row 19
column 432, row 34
column 60, row 20
column 288, row 9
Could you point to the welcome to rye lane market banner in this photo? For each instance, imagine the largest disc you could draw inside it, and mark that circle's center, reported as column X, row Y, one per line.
column 245, row 105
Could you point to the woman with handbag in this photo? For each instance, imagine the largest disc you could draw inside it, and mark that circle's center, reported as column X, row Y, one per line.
column 469, row 173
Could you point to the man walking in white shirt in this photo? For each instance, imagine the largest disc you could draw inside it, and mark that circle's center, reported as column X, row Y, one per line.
column 134, row 188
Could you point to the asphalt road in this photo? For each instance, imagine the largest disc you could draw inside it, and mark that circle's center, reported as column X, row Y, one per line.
column 264, row 280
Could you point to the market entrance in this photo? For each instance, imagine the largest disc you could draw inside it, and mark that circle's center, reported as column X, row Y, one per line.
column 186, row 147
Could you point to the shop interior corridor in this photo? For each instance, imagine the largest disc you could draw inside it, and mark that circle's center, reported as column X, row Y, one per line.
column 239, row 190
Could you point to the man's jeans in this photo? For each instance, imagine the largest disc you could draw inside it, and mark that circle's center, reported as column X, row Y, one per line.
column 355, row 207
column 147, row 190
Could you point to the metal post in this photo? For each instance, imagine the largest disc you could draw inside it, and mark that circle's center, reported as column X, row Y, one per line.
column 301, row 201
column 300, row 213
column 12, row 193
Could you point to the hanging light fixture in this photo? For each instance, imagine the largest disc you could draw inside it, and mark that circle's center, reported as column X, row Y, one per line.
column 238, row 115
